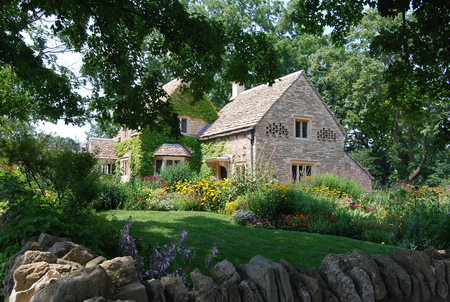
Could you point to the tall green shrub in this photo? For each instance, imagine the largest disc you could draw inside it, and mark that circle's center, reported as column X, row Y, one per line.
column 342, row 183
column 175, row 173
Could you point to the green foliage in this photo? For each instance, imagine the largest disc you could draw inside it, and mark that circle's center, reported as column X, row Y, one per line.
column 120, row 63
column 15, row 102
column 176, row 173
column 417, row 61
column 208, row 150
column 70, row 175
column 379, row 236
column 277, row 200
column 187, row 201
column 112, row 193
column 103, row 129
column 337, row 182
column 29, row 214
column 240, row 216
column 141, row 149
column 185, row 103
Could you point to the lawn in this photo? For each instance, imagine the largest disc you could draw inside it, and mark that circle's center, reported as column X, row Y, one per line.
column 238, row 244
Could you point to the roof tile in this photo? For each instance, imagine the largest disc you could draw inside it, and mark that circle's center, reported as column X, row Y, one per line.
column 249, row 107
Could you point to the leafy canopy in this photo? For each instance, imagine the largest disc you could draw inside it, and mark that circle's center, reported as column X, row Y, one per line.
column 120, row 41
column 419, row 43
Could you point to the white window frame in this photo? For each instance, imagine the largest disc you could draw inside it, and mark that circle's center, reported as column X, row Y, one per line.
column 125, row 167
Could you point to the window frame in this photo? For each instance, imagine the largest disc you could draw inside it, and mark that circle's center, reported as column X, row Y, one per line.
column 302, row 120
column 164, row 162
column 304, row 165
column 184, row 125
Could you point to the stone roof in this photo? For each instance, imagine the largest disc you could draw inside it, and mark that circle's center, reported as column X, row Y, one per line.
column 172, row 150
column 170, row 87
column 102, row 147
column 249, row 107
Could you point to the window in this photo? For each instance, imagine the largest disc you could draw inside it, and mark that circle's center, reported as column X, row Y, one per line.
column 161, row 162
column 158, row 165
column 302, row 126
column 301, row 129
column 125, row 169
column 299, row 171
column 183, row 125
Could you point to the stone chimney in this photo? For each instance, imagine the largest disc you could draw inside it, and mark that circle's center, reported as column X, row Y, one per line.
column 237, row 89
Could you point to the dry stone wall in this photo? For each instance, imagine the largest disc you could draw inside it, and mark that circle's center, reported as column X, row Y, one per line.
column 56, row 269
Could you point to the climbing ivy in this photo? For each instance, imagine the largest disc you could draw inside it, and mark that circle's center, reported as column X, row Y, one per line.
column 142, row 146
column 185, row 104
column 212, row 149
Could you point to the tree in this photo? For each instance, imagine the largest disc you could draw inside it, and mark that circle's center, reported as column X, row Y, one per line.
column 48, row 166
column 118, row 39
column 103, row 130
column 419, row 43
column 259, row 17
column 395, row 140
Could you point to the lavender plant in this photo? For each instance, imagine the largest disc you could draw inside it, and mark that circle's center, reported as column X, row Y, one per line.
column 163, row 262
column 211, row 254
column 128, row 247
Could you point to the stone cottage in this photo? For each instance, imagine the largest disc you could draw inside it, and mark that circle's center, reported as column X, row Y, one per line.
column 194, row 118
column 286, row 125
column 286, row 128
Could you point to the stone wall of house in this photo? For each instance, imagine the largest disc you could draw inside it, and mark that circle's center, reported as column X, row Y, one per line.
column 324, row 147
column 56, row 269
column 194, row 125
column 238, row 146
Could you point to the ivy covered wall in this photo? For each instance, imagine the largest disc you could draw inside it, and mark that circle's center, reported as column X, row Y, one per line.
column 185, row 104
column 142, row 146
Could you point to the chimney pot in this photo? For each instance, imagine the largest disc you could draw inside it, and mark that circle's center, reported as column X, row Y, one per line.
column 237, row 89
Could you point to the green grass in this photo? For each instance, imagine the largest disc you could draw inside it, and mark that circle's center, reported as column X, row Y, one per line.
column 236, row 243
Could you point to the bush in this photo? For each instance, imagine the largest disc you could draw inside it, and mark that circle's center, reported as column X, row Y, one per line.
column 274, row 201
column 337, row 182
column 379, row 236
column 26, row 213
column 241, row 217
column 187, row 202
column 176, row 173
column 112, row 194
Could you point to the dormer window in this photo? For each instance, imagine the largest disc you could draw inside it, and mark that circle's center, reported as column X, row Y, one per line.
column 183, row 125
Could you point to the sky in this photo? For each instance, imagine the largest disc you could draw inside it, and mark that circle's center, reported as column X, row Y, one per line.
column 73, row 62
column 63, row 130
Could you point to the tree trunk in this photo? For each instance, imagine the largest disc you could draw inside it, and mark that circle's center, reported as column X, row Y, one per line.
column 419, row 168
column 410, row 143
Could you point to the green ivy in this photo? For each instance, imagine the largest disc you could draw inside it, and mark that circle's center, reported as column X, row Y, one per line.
column 212, row 149
column 142, row 146
column 185, row 104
